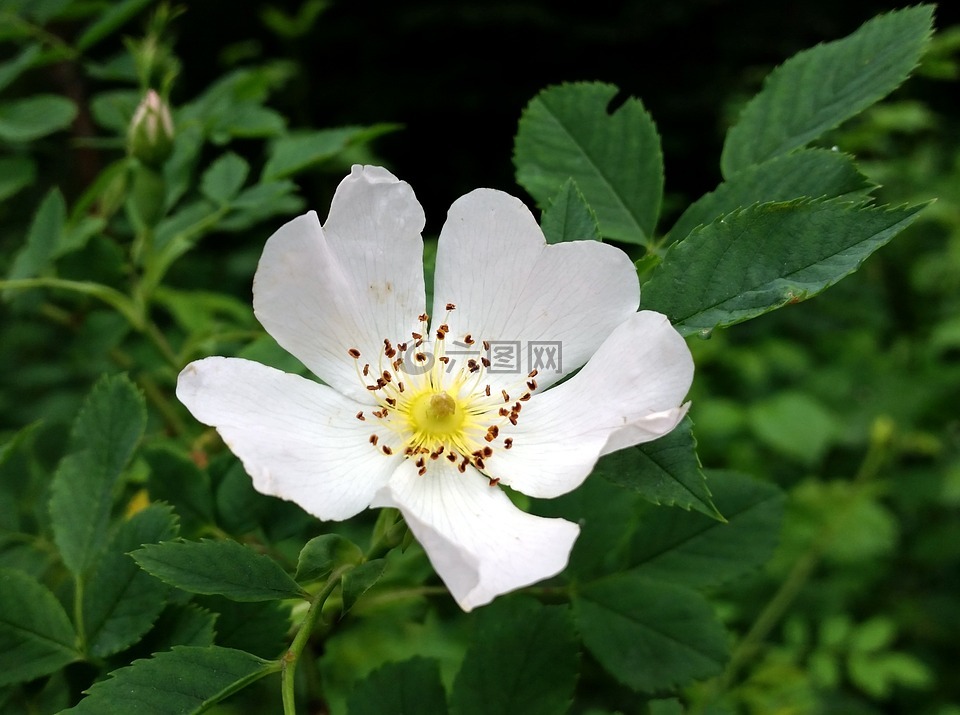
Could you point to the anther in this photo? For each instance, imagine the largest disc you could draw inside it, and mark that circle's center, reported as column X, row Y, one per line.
column 533, row 373
column 504, row 412
column 354, row 353
column 421, row 471
column 487, row 451
column 451, row 306
column 486, row 391
column 390, row 401
column 420, row 357
column 444, row 359
column 508, row 443
column 417, row 336
column 485, row 361
column 452, row 457
column 360, row 416
column 468, row 339
column 374, row 439
column 532, row 384
column 402, row 347
column 386, row 450
column 400, row 386
column 423, row 317
column 524, row 397
column 366, row 369
column 494, row 481
column 462, row 467
column 387, row 376
column 486, row 344
column 506, row 397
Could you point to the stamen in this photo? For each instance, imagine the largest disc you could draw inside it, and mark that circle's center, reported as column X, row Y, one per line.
column 360, row 416
column 508, row 443
column 451, row 306
column 374, row 439
column 386, row 450
column 354, row 353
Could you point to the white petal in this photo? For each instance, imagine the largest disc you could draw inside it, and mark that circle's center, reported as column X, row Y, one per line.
column 630, row 392
column 508, row 285
column 297, row 439
column 358, row 280
column 480, row 544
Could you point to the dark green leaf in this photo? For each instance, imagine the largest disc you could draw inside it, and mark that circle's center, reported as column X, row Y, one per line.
column 815, row 173
column 177, row 480
column 412, row 687
column 819, row 88
column 114, row 109
column 104, row 436
column 764, row 257
column 182, row 681
column 569, row 217
column 180, row 624
column 109, row 21
column 224, row 568
column 359, row 580
column 24, row 120
column 259, row 628
column 16, row 173
column 665, row 471
column 11, row 69
column 323, row 554
column 567, row 131
column 224, row 179
column 696, row 551
column 120, row 601
column 523, row 658
column 650, row 635
column 36, row 637
column 247, row 120
column 43, row 237
column 292, row 153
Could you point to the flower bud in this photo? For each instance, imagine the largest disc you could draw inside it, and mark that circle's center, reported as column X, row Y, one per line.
column 151, row 131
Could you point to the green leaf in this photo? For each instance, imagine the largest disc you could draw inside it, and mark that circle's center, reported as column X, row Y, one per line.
column 109, row 21
column 224, row 179
column 523, row 658
column 764, row 257
column 293, row 153
column 665, row 471
column 697, row 551
column 177, row 480
column 796, row 425
column 16, row 173
column 105, row 433
column 357, row 581
column 814, row 173
column 121, row 602
column 180, row 624
column 11, row 69
column 182, row 681
column 257, row 627
column 24, row 120
column 819, row 88
column 114, row 109
column 567, row 132
column 224, row 568
column 412, row 687
column 649, row 635
column 36, row 637
column 43, row 238
column 322, row 554
column 569, row 217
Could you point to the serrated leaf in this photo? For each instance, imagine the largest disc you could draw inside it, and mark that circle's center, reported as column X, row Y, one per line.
column 412, row 687
column 224, row 178
column 665, row 471
column 257, row 627
column 814, row 173
column 817, row 89
column 104, row 436
column 43, row 237
column 36, row 637
column 177, row 480
column 649, row 635
column 182, row 681
column 120, row 601
column 699, row 552
column 764, row 257
column 357, row 581
column 567, row 132
column 523, row 658
column 24, row 120
column 293, row 153
column 223, row 568
column 322, row 554
column 568, row 217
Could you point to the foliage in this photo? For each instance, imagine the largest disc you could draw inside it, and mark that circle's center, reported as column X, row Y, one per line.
column 808, row 569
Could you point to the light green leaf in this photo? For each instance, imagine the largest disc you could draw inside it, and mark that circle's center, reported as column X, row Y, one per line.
column 293, row 153
column 819, row 88
column 27, row 119
column 764, row 257
column 522, row 658
column 357, row 581
column 246, row 120
column 120, row 601
column 412, row 687
column 795, row 424
column 105, row 433
column 112, row 19
column 649, row 635
column 569, row 217
column 114, row 109
column 567, row 132
column 16, row 173
column 43, row 238
column 665, row 471
column 322, row 554
column 224, row 568
column 224, row 179
column 814, row 173
column 36, row 637
column 182, row 681
column 697, row 551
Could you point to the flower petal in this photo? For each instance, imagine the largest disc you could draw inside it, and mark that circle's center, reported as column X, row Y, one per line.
column 322, row 291
column 297, row 439
column 508, row 285
column 480, row 544
column 630, row 392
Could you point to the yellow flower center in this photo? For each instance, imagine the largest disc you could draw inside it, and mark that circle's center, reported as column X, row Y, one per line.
column 433, row 406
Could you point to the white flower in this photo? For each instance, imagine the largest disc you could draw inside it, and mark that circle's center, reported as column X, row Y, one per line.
column 418, row 418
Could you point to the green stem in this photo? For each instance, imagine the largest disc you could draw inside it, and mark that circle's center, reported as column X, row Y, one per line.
column 114, row 298
column 292, row 656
